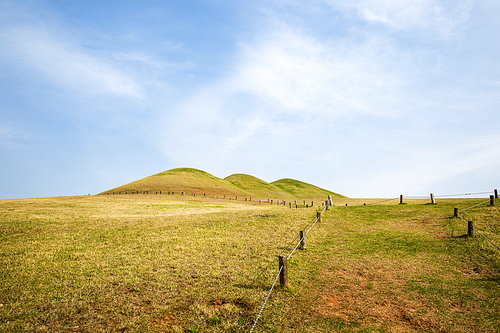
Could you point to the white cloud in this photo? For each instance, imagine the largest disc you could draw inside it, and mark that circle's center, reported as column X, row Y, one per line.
column 435, row 168
column 12, row 137
column 65, row 63
column 439, row 16
column 268, row 109
column 302, row 74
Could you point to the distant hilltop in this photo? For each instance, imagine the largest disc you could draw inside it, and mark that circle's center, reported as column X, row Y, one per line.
column 193, row 181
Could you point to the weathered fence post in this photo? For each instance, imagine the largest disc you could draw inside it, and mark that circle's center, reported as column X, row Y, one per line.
column 492, row 200
column 330, row 200
column 470, row 229
column 312, row 203
column 318, row 216
column 283, row 267
column 496, row 194
column 401, row 199
column 432, row 199
column 455, row 212
column 271, row 202
column 302, row 236
column 290, row 204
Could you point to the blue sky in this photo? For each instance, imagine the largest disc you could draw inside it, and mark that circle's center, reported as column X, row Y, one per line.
column 372, row 98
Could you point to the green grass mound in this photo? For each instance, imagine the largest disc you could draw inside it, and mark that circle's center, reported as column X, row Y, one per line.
column 179, row 180
column 257, row 186
column 301, row 190
column 196, row 181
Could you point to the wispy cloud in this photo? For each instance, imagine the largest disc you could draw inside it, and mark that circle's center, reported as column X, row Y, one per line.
column 56, row 55
column 283, row 85
column 65, row 63
column 441, row 17
column 12, row 137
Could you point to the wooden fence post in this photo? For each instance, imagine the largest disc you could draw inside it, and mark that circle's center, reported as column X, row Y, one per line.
column 455, row 212
column 470, row 229
column 492, row 200
column 271, row 202
column 303, row 243
column 283, row 267
column 432, row 199
column 330, row 200
column 312, row 203
column 290, row 204
column 318, row 216
column 496, row 194
column 401, row 199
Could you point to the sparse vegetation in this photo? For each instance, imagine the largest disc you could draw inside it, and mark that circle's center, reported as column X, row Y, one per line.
column 148, row 263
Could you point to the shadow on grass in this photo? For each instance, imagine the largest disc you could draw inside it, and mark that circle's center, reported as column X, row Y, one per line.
column 252, row 286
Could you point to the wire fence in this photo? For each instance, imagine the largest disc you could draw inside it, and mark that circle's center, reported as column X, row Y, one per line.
column 473, row 228
column 364, row 204
column 281, row 268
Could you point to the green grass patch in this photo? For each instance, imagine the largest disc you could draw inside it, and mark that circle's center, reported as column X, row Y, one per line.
column 162, row 264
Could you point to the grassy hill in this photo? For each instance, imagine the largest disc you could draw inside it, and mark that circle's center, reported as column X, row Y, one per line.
column 178, row 180
column 190, row 180
column 257, row 186
column 301, row 190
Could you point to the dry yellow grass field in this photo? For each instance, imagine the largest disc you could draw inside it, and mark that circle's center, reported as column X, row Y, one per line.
column 151, row 263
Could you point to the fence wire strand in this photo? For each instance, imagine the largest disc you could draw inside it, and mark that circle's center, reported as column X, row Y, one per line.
column 281, row 268
column 375, row 203
column 480, row 233
column 479, row 204
column 459, row 195
column 269, row 294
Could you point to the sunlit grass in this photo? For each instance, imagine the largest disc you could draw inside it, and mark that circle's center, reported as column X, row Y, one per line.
column 171, row 264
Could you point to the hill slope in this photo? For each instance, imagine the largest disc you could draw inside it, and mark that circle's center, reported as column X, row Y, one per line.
column 182, row 180
column 257, row 186
column 301, row 190
column 190, row 180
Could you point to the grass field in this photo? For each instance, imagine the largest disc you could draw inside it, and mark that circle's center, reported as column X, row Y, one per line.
column 150, row 263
